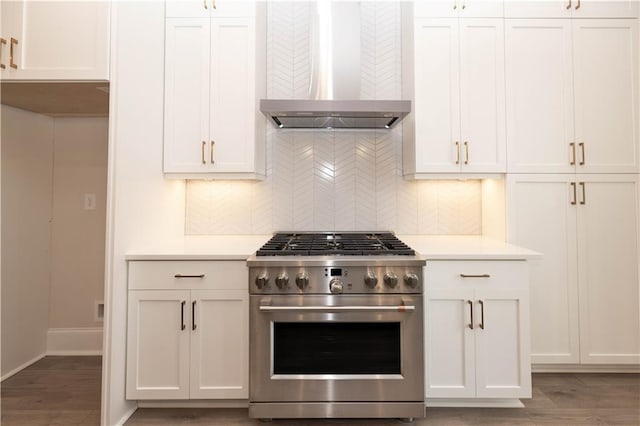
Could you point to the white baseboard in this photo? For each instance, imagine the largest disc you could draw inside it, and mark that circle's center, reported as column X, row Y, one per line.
column 74, row 341
column 22, row 367
column 474, row 402
column 584, row 368
column 126, row 416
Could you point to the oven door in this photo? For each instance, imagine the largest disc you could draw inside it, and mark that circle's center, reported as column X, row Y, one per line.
column 336, row 348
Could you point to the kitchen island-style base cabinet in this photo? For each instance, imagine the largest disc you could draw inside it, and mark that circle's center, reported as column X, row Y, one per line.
column 477, row 331
column 188, row 332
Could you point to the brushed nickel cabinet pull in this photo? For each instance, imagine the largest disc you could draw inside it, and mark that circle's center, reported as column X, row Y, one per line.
column 572, row 145
column 455, row 5
column 2, row 41
column 457, row 152
column 188, row 276
column 569, row 5
column 481, row 314
column 475, row 276
column 578, row 5
column 182, row 326
column 470, row 325
column 212, row 145
column 11, row 63
column 573, row 200
column 214, row 4
column 581, row 145
column 464, row 6
column 205, row 4
column 204, row 146
column 193, row 315
column 466, row 150
column 584, row 195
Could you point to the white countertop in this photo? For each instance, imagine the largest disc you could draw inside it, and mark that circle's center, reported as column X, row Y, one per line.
column 239, row 247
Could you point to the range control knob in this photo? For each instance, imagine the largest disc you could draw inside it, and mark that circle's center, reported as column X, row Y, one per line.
column 336, row 286
column 302, row 280
column 282, row 280
column 390, row 280
column 371, row 280
column 262, row 280
column 411, row 280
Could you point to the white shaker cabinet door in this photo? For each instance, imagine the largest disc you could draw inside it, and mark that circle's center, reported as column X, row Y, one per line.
column 503, row 366
column 539, row 96
column 605, row 59
column 450, row 348
column 608, row 269
column 186, row 115
column 437, row 99
column 220, row 344
column 58, row 40
column 158, row 344
column 605, row 8
column 543, row 218
column 482, row 104
column 233, row 100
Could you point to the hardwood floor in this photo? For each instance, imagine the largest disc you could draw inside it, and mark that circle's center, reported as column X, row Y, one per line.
column 66, row 391
column 57, row 390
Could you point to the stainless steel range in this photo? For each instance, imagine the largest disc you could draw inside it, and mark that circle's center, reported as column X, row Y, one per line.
column 336, row 327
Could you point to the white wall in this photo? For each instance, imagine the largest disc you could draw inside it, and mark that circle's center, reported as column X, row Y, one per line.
column 27, row 154
column 142, row 207
column 78, row 235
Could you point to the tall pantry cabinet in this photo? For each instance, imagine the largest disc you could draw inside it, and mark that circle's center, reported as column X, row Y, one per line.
column 572, row 182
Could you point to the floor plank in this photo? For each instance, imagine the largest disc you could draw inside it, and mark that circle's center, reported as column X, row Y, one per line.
column 59, row 391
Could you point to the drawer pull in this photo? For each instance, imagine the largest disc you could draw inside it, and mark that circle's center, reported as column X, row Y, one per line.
column 471, row 312
column 475, row 276
column 188, row 276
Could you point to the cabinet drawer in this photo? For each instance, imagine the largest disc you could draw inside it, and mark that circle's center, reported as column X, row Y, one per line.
column 188, row 274
column 502, row 273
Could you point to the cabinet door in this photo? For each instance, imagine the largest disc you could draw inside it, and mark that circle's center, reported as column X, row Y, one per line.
column 65, row 40
column 437, row 95
column 503, row 366
column 158, row 344
column 186, row 113
column 188, row 8
column 542, row 218
column 233, row 95
column 450, row 351
column 606, row 9
column 608, row 270
column 220, row 344
column 482, row 105
column 539, row 95
column 538, row 9
column 605, row 58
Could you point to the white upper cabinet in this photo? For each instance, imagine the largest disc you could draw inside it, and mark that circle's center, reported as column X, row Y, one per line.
column 54, row 40
column 572, row 95
column 605, row 58
column 214, row 77
column 457, row 125
column 571, row 9
column 539, row 93
column 459, row 8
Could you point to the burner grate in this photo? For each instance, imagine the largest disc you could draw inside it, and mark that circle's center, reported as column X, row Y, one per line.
column 349, row 244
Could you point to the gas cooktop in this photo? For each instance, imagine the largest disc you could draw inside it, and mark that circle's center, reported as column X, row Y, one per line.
column 321, row 244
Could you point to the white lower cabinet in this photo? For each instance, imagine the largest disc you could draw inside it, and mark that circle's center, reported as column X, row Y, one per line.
column 191, row 343
column 585, row 297
column 477, row 330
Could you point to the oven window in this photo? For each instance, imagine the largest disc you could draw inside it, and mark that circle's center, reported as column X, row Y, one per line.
column 336, row 348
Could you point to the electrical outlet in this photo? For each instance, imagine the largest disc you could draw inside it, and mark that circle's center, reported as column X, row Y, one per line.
column 89, row 201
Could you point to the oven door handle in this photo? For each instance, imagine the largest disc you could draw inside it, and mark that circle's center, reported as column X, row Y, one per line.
column 398, row 308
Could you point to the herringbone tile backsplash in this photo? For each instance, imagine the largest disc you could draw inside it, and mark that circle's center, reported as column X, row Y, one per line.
column 324, row 180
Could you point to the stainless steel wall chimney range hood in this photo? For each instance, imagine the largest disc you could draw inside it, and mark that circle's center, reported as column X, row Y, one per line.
column 334, row 89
